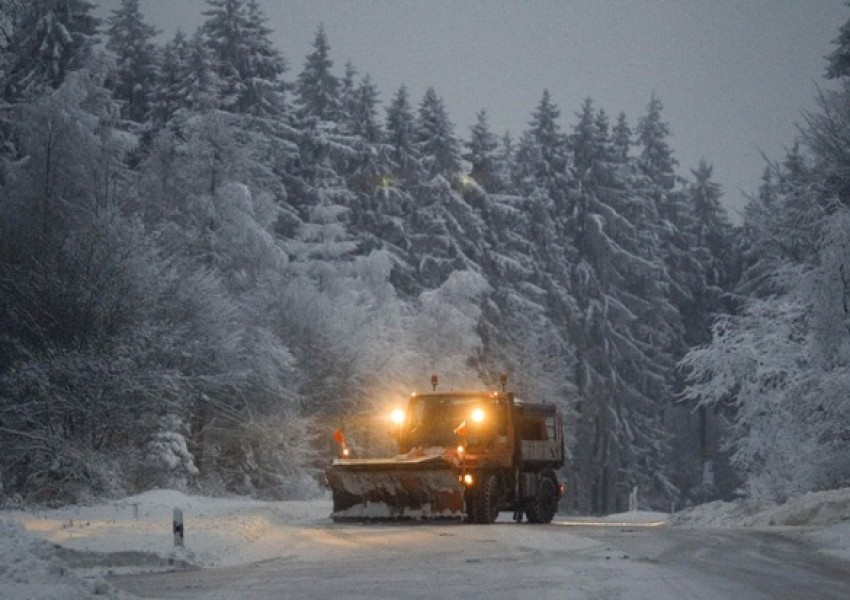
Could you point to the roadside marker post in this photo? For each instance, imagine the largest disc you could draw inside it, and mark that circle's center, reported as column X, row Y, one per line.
column 177, row 527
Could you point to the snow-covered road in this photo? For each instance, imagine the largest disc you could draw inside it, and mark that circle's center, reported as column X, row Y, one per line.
column 506, row 560
column 244, row 548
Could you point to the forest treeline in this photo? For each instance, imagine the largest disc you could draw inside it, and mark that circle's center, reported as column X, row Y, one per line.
column 207, row 259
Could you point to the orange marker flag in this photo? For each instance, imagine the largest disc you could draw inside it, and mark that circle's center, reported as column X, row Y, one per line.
column 339, row 436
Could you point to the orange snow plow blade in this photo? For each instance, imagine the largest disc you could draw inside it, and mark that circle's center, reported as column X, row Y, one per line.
column 395, row 489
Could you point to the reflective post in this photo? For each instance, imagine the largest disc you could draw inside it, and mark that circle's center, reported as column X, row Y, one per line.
column 177, row 527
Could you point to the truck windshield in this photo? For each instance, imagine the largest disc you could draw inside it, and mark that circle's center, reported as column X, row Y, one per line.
column 434, row 420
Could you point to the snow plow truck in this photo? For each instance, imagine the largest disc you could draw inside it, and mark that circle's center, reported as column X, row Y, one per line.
column 464, row 455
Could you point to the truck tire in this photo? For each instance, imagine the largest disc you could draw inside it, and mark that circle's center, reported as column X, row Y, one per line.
column 542, row 507
column 486, row 500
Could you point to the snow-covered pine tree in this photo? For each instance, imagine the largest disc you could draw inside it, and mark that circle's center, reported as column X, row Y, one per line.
column 246, row 62
column 172, row 65
column 400, row 136
column 193, row 84
column 317, row 87
column 129, row 38
column 321, row 194
column 365, row 112
column 445, row 233
column 46, row 40
column 657, row 164
column 546, row 132
column 516, row 329
column 482, row 154
column 348, row 89
column 622, row 137
column 543, row 179
column 434, row 138
column 656, row 156
column 381, row 201
column 620, row 329
column 838, row 61
column 505, row 164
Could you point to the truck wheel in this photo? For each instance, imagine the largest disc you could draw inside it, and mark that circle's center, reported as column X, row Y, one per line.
column 487, row 499
column 542, row 508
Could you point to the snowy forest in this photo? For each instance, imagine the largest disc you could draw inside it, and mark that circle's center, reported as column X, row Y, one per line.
column 210, row 254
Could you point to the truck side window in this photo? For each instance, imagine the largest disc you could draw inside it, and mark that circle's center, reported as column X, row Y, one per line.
column 550, row 428
column 532, row 429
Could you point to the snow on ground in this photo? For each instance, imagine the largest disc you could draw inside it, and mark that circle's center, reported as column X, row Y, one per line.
column 826, row 513
column 29, row 568
column 63, row 554
column 635, row 518
column 135, row 535
column 217, row 531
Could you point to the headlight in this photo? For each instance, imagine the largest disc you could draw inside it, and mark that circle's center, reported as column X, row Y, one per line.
column 468, row 479
column 477, row 415
column 397, row 416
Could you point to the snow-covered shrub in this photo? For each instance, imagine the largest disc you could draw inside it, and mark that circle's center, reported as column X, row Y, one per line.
column 166, row 461
column 267, row 457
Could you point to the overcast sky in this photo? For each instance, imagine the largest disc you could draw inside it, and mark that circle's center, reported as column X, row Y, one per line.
column 733, row 75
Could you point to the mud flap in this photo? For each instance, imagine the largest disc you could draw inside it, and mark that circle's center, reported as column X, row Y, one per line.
column 395, row 489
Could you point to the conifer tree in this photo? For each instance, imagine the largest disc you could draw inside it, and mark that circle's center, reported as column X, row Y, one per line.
column 434, row 137
column 838, row 61
column 547, row 134
column 400, row 132
column 482, row 153
column 348, row 90
column 129, row 37
column 199, row 87
column 317, row 88
column 622, row 137
column 246, row 62
column 47, row 40
column 365, row 111
column 713, row 225
column 166, row 98
column 620, row 328
column 585, row 142
column 505, row 164
column 656, row 157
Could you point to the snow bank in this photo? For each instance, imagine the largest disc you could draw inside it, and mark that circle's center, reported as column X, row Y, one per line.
column 135, row 533
column 814, row 508
column 29, row 568
column 827, row 513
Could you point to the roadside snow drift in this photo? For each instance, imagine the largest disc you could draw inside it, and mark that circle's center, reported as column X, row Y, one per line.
column 827, row 513
column 30, row 569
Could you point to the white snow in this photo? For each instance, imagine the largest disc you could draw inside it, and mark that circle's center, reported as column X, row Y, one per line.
column 135, row 535
column 217, row 531
column 637, row 518
column 30, row 569
column 825, row 515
